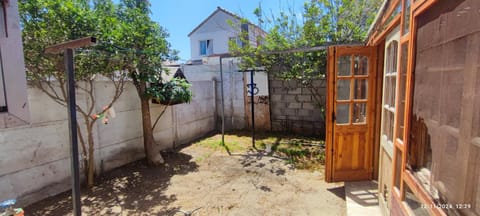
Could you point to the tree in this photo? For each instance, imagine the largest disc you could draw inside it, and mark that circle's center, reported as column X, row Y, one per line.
column 48, row 22
column 286, row 50
column 148, row 48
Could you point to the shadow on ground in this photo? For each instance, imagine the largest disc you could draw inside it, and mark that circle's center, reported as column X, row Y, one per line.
column 133, row 189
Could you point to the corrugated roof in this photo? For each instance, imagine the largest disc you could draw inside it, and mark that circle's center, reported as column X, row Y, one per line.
column 220, row 9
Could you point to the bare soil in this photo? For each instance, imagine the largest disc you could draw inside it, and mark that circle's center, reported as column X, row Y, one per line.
column 209, row 181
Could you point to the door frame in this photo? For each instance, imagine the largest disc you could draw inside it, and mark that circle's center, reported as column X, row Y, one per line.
column 374, row 95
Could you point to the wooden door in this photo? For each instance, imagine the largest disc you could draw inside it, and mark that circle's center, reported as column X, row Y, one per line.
column 350, row 113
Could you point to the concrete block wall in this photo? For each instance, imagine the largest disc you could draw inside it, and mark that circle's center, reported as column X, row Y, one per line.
column 34, row 158
column 293, row 108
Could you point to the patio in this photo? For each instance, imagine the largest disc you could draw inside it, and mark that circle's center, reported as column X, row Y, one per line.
column 203, row 177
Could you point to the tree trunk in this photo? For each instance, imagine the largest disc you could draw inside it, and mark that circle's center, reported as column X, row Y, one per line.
column 152, row 153
column 91, row 158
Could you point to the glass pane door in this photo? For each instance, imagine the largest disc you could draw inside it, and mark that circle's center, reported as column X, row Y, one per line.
column 352, row 89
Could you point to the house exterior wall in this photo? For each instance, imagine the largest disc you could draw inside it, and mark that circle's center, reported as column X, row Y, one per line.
column 13, row 66
column 35, row 158
column 219, row 30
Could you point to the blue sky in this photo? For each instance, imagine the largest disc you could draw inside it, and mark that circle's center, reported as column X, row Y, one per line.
column 180, row 17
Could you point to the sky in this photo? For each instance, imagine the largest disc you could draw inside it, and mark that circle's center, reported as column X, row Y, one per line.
column 180, row 17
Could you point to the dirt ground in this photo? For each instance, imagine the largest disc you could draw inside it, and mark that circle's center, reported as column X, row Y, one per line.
column 209, row 181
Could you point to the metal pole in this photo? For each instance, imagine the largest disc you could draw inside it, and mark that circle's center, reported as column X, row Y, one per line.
column 252, row 93
column 72, row 121
column 223, row 101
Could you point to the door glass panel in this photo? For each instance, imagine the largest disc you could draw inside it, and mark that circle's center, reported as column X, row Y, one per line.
column 359, row 113
column 414, row 203
column 402, row 89
column 361, row 87
column 343, row 89
column 344, row 66
column 343, row 113
column 388, row 124
column 360, row 66
column 398, row 168
column 406, row 18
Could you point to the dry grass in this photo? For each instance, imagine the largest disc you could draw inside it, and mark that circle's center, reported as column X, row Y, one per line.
column 302, row 152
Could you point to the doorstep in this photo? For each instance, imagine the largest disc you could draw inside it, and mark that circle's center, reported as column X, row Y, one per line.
column 362, row 198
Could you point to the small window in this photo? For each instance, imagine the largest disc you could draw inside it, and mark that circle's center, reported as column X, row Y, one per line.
column 206, row 47
column 235, row 40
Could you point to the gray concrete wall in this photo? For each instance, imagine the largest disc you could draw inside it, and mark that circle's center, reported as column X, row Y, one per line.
column 233, row 89
column 293, row 108
column 35, row 158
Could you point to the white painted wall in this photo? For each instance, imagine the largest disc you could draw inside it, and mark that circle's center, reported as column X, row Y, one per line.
column 11, row 52
column 219, row 31
column 35, row 158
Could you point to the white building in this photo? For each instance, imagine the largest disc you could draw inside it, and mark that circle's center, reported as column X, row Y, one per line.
column 212, row 35
column 14, row 109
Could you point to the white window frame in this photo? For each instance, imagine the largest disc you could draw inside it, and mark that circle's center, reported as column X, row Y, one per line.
column 208, row 48
column 237, row 40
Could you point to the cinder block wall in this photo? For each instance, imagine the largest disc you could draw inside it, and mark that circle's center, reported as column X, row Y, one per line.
column 293, row 108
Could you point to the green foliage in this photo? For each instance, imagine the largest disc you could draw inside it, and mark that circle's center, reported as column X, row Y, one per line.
column 146, row 43
column 175, row 91
column 324, row 22
column 48, row 22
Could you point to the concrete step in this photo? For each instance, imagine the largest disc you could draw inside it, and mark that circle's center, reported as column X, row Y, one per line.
column 362, row 198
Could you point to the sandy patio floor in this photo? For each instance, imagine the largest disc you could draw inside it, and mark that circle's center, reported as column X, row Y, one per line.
column 210, row 181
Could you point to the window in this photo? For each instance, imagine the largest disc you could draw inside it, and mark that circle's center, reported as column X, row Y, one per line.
column 356, row 99
column 390, row 83
column 206, row 47
column 443, row 149
column 235, row 40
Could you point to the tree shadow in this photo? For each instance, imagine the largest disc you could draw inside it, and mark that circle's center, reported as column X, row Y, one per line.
column 133, row 189
column 338, row 191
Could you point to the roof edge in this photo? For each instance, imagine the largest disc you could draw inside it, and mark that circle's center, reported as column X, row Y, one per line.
column 227, row 12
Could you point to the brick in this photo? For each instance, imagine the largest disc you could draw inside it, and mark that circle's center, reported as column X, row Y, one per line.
column 319, row 83
column 278, row 112
column 304, row 98
column 279, row 117
column 276, row 83
column 278, row 105
column 303, row 112
column 280, row 90
column 290, row 98
column 276, row 98
column 306, row 91
column 290, row 84
column 295, row 91
column 290, row 112
column 294, row 105
column 308, row 106
column 294, row 117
